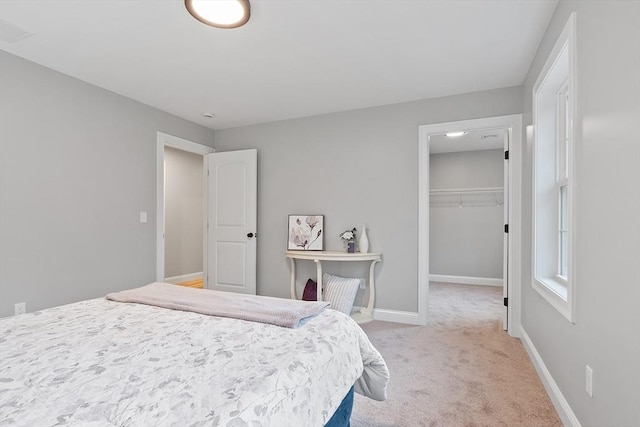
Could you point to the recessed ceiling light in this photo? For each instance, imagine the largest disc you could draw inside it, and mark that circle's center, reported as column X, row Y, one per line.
column 454, row 134
column 220, row 13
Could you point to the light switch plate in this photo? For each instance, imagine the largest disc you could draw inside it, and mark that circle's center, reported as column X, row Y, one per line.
column 589, row 380
column 143, row 217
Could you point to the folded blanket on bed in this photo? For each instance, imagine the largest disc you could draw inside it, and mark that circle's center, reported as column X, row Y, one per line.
column 275, row 311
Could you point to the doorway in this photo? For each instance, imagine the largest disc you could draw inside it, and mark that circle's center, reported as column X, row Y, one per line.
column 171, row 147
column 184, row 200
column 229, row 219
column 468, row 209
column 509, row 128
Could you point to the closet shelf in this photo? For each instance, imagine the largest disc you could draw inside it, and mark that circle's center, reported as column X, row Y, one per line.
column 466, row 197
column 464, row 191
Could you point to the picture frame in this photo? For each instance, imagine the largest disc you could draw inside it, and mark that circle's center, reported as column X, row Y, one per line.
column 305, row 233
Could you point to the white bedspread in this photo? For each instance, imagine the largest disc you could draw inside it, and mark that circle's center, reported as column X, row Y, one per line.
column 103, row 363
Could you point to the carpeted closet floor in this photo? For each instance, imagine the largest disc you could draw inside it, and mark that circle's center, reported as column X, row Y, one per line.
column 461, row 369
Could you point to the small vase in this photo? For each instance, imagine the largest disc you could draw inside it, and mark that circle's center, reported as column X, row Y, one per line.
column 351, row 246
column 363, row 242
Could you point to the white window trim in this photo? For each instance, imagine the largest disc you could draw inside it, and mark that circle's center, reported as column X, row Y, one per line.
column 556, row 290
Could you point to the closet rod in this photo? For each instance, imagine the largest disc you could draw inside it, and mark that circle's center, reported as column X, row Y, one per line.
column 468, row 190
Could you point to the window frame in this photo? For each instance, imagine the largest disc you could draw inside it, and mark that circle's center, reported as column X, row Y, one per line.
column 557, row 289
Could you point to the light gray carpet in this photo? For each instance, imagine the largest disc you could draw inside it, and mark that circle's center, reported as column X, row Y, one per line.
column 459, row 370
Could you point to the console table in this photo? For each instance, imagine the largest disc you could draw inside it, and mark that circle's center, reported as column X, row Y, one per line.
column 366, row 313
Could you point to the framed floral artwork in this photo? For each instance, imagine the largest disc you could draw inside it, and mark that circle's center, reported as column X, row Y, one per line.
column 305, row 233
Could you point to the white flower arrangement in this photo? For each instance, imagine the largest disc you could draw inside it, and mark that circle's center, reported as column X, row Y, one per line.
column 348, row 235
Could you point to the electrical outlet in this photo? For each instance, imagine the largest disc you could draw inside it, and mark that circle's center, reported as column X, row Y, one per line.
column 589, row 380
column 20, row 308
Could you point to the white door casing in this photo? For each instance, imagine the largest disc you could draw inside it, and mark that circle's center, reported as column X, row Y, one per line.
column 513, row 124
column 232, row 221
column 505, row 238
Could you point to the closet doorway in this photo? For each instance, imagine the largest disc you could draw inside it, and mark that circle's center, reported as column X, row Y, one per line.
column 468, row 209
column 467, row 201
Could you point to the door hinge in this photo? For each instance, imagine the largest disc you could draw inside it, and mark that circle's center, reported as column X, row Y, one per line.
column 506, row 155
column 506, row 302
column 506, row 228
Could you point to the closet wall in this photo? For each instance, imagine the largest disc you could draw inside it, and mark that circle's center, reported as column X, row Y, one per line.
column 466, row 214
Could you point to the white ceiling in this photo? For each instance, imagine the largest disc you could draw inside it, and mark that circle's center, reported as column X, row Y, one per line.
column 293, row 58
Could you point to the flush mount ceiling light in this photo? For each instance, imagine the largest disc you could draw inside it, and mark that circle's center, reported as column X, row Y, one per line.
column 454, row 134
column 220, row 13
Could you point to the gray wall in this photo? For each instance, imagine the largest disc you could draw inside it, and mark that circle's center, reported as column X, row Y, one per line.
column 467, row 240
column 355, row 167
column 606, row 333
column 77, row 165
column 184, row 211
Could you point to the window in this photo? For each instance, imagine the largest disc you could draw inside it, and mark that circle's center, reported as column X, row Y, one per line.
column 553, row 111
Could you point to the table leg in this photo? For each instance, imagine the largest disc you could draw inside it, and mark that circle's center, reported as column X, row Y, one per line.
column 368, row 310
column 319, row 278
column 293, row 278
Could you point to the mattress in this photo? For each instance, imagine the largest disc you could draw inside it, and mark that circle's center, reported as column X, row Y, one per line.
column 104, row 363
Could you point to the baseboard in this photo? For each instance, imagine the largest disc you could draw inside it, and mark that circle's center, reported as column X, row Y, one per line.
column 184, row 278
column 559, row 402
column 408, row 317
column 465, row 280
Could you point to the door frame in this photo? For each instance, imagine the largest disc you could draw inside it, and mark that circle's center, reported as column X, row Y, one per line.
column 166, row 140
column 513, row 124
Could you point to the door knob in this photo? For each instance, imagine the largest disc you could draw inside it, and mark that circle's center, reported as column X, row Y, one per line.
column 250, row 235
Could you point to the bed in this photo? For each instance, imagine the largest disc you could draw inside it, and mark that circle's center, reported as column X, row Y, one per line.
column 105, row 363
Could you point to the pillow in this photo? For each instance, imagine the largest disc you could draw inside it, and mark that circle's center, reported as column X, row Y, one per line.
column 310, row 291
column 340, row 291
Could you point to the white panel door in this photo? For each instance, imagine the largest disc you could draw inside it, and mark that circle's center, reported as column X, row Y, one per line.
column 232, row 186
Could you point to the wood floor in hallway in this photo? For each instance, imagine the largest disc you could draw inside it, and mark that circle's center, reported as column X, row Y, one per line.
column 198, row 283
